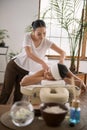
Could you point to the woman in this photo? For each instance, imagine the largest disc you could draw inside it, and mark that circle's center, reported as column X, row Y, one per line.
column 56, row 72
column 31, row 59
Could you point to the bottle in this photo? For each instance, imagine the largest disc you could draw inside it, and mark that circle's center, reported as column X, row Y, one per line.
column 75, row 113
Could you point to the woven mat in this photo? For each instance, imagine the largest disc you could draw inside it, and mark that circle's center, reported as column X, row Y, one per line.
column 6, row 120
column 39, row 124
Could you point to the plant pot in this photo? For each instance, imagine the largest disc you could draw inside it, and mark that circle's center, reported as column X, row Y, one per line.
column 73, row 66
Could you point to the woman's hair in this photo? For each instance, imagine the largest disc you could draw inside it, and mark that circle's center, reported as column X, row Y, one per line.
column 38, row 23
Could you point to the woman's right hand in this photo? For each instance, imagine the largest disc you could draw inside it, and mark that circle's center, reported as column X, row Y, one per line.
column 45, row 66
column 48, row 75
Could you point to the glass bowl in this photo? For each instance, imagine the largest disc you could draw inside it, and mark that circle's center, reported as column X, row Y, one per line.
column 22, row 113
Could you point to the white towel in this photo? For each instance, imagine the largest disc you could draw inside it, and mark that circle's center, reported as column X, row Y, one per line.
column 47, row 82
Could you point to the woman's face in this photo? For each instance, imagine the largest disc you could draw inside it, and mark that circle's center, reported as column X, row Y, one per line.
column 40, row 33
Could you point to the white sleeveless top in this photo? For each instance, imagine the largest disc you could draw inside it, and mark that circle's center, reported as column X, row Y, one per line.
column 27, row 63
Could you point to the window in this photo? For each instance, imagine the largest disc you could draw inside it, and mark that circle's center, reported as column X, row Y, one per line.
column 66, row 12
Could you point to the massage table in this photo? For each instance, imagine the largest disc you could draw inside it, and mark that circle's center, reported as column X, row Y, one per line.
column 50, row 91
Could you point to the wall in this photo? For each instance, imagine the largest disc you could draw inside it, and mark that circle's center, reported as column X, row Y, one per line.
column 15, row 16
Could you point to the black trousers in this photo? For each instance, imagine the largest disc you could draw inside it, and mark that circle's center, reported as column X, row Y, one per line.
column 12, row 78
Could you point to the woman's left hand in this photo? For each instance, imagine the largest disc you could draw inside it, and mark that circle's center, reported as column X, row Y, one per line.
column 48, row 75
column 45, row 66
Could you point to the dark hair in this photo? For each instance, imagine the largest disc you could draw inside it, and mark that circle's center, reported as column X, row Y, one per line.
column 38, row 23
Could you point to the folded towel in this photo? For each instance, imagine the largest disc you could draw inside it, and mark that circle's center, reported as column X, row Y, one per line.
column 47, row 82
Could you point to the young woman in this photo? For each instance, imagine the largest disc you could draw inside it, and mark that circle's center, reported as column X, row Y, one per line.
column 31, row 59
column 56, row 72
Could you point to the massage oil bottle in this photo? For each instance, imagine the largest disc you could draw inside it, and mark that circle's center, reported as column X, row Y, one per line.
column 75, row 113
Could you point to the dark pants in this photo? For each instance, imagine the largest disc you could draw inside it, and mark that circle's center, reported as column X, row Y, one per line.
column 13, row 76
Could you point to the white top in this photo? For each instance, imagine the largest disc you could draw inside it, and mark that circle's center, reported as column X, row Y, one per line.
column 27, row 63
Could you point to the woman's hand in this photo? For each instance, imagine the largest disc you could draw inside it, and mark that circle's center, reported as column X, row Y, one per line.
column 45, row 66
column 48, row 75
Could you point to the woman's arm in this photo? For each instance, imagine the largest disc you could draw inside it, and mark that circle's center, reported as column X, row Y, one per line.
column 35, row 58
column 33, row 79
column 60, row 51
column 36, row 78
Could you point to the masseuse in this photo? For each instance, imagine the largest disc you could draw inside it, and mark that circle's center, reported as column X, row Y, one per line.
column 56, row 72
column 31, row 59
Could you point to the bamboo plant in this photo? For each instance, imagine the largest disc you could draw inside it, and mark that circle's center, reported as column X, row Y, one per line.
column 64, row 12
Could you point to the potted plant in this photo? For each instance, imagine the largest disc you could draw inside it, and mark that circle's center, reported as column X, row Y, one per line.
column 12, row 54
column 64, row 12
column 28, row 28
column 3, row 35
